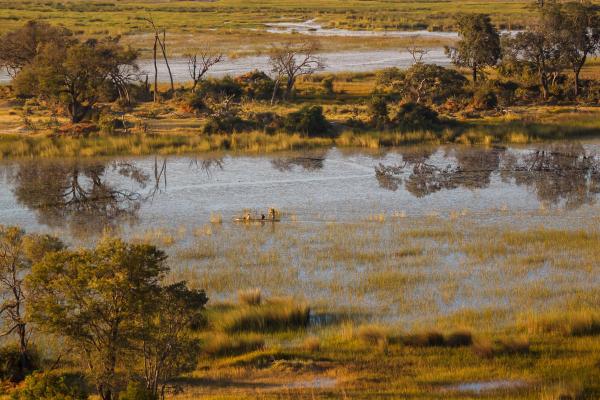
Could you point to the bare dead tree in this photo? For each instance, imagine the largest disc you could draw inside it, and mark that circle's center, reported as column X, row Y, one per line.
column 291, row 60
column 155, row 69
column 200, row 62
column 417, row 53
column 163, row 47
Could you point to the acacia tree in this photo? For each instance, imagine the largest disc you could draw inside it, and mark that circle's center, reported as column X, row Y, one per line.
column 19, row 47
column 92, row 297
column 17, row 253
column 75, row 75
column 537, row 49
column 479, row 44
column 289, row 61
column 577, row 34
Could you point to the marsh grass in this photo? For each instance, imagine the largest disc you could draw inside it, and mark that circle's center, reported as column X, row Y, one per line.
column 273, row 315
column 250, row 297
column 223, row 345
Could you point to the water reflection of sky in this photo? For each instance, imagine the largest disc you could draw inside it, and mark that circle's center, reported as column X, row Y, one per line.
column 499, row 185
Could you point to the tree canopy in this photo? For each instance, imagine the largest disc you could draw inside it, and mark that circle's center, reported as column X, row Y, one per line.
column 93, row 297
column 479, row 44
column 75, row 75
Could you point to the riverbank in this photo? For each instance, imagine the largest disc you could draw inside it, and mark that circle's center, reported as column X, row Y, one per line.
column 181, row 133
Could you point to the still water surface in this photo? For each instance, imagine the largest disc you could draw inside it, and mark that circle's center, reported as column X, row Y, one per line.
column 330, row 185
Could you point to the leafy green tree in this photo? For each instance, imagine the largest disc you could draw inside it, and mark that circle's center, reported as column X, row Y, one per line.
column 577, row 34
column 75, row 75
column 165, row 346
column 93, row 297
column 428, row 83
column 479, row 44
column 536, row 49
column 18, row 251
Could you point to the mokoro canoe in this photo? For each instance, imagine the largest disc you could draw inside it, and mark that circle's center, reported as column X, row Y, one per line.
column 241, row 219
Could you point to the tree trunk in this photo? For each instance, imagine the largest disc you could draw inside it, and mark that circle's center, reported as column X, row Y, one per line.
column 290, row 87
column 155, row 69
column 163, row 47
column 475, row 74
column 544, row 86
column 275, row 88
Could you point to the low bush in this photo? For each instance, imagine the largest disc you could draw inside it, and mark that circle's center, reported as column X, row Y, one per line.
column 378, row 111
column 309, row 120
column 12, row 366
column 216, row 88
column 415, row 115
column 53, row 386
column 109, row 123
column 136, row 391
column 484, row 99
column 256, row 85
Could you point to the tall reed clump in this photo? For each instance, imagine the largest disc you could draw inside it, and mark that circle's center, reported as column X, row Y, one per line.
column 582, row 323
column 250, row 297
column 273, row 315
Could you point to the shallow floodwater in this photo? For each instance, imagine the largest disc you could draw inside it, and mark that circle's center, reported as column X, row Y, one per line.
column 344, row 61
column 329, row 185
column 404, row 236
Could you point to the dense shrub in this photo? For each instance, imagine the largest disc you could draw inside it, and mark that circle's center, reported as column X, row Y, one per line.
column 53, row 386
column 136, row 391
column 11, row 368
column 415, row 115
column 217, row 88
column 505, row 91
column 224, row 124
column 484, row 99
column 109, row 123
column 378, row 111
column 309, row 120
column 327, row 84
column 256, row 85
column 423, row 83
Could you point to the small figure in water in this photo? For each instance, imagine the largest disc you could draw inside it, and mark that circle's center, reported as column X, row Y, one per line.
column 272, row 214
column 247, row 216
column 263, row 217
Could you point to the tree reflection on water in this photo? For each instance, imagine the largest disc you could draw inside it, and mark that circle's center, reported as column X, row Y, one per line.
column 557, row 174
column 78, row 194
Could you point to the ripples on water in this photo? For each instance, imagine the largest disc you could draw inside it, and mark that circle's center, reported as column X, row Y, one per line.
column 324, row 185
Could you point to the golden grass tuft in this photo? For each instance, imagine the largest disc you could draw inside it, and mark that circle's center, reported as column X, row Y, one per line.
column 250, row 297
